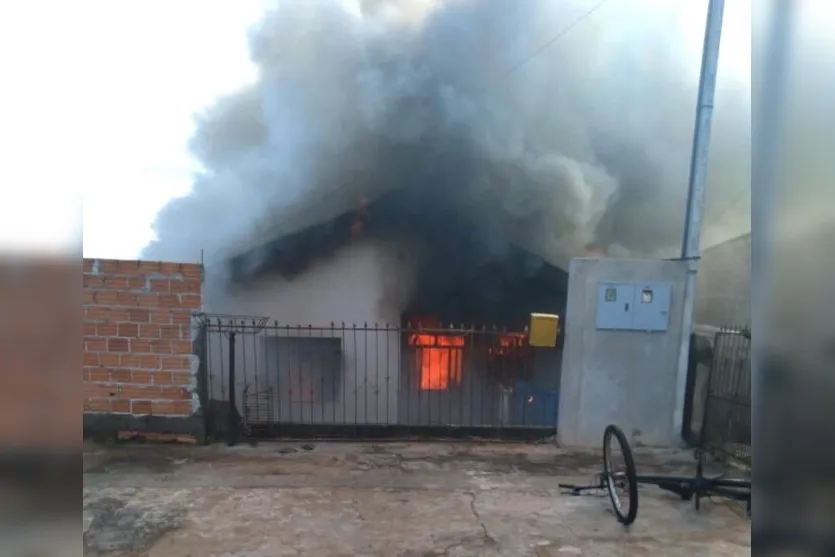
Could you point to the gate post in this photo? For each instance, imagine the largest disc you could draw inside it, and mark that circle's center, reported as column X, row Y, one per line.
column 201, row 350
column 690, row 391
column 233, row 414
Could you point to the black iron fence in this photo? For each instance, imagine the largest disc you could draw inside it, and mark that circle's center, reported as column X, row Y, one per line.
column 717, row 413
column 261, row 378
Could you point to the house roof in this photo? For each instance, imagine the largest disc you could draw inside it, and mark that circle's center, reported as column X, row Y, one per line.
column 398, row 211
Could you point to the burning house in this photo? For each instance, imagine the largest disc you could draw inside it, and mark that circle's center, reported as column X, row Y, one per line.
column 392, row 313
column 403, row 175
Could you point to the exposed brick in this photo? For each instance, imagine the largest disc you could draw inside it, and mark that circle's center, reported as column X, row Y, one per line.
column 149, row 361
column 181, row 347
column 128, row 330
column 100, row 390
column 127, row 299
column 140, row 407
column 185, row 286
column 181, row 317
column 137, row 283
column 163, row 378
column 118, row 316
column 117, row 283
column 106, row 297
column 161, row 286
column 169, row 300
column 149, row 331
column 121, row 406
column 96, row 405
column 118, row 345
column 167, row 268
column 162, row 317
column 137, row 317
column 175, row 363
column 180, row 378
column 149, row 300
column 142, row 377
column 143, row 392
column 93, row 281
column 94, row 344
column 161, row 346
column 110, row 266
column 100, row 374
column 147, row 267
column 171, row 332
column 192, row 271
column 111, row 360
column 140, row 346
column 107, row 330
column 130, row 360
column 190, row 301
column 94, row 313
column 120, row 375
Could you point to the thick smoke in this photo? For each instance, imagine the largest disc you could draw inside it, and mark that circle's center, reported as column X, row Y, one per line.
column 584, row 142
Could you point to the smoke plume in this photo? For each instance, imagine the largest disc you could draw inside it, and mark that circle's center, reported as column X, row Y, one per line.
column 585, row 141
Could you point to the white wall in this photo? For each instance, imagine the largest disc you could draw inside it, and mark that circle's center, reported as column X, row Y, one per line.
column 366, row 282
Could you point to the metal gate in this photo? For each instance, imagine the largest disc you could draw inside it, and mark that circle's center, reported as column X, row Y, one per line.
column 265, row 379
column 718, row 402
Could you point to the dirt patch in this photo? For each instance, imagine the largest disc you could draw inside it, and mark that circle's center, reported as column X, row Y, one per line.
column 120, row 527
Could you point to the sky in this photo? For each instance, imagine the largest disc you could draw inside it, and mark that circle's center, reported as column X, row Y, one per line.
column 98, row 103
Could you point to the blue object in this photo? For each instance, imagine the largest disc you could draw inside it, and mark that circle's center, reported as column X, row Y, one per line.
column 634, row 306
column 535, row 406
column 615, row 305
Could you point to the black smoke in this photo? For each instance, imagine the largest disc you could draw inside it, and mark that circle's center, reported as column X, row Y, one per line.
column 586, row 141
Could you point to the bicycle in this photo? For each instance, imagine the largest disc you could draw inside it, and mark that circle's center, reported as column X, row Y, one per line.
column 621, row 480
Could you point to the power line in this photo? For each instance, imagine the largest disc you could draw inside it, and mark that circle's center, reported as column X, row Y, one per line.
column 556, row 37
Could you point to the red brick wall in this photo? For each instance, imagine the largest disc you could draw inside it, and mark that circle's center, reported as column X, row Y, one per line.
column 137, row 337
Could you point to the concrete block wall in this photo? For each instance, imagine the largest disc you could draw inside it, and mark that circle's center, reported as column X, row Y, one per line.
column 138, row 369
column 627, row 378
column 723, row 295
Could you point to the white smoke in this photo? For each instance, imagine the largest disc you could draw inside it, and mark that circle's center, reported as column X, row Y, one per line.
column 587, row 140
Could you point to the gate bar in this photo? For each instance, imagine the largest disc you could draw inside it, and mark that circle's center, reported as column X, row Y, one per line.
column 233, row 422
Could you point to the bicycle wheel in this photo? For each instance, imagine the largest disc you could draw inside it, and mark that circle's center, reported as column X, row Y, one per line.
column 619, row 475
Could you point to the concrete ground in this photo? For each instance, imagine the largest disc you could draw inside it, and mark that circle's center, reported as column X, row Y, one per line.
column 383, row 499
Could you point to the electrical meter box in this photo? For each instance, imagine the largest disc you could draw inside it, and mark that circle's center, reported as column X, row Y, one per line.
column 634, row 306
column 544, row 329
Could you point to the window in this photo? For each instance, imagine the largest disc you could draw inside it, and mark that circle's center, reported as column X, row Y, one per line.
column 611, row 294
column 438, row 360
column 304, row 369
column 646, row 296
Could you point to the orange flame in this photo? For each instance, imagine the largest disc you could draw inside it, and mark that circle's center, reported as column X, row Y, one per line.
column 439, row 359
column 507, row 342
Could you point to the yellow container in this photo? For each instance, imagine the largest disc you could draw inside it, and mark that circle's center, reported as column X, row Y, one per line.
column 544, row 330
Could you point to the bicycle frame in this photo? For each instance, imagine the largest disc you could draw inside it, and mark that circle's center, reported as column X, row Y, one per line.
column 684, row 486
column 687, row 486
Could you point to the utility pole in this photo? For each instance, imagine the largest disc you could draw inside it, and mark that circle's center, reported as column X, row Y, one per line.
column 696, row 192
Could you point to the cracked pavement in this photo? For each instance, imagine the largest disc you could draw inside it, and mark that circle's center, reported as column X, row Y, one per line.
column 383, row 499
